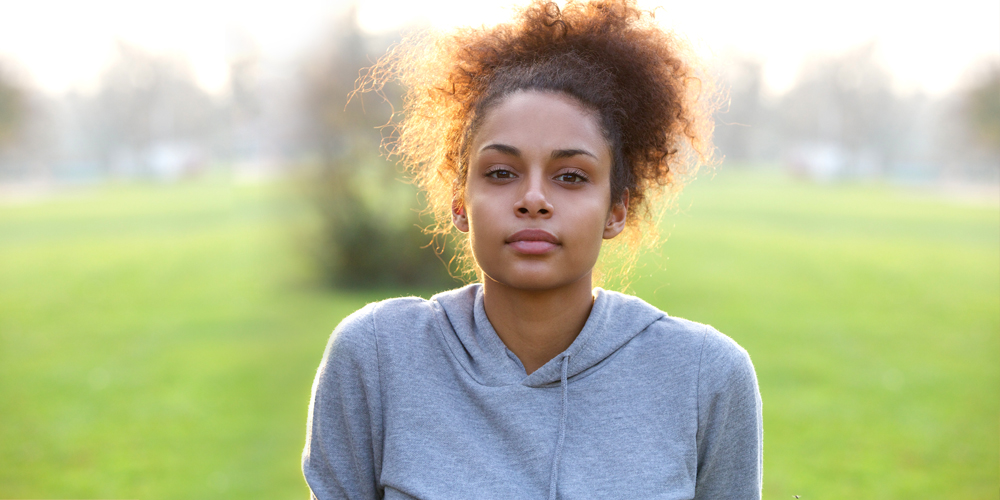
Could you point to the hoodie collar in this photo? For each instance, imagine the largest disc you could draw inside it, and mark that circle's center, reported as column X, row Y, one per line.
column 614, row 320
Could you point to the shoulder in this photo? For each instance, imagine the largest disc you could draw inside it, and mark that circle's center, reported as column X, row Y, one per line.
column 724, row 367
column 400, row 321
column 684, row 341
column 721, row 354
column 357, row 333
column 717, row 355
column 675, row 330
column 376, row 315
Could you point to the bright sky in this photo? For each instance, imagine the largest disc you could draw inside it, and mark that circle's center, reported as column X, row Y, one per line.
column 62, row 44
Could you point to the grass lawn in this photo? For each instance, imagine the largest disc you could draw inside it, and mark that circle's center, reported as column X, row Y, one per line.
column 160, row 341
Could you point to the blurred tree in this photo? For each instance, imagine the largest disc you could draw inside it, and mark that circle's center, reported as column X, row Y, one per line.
column 370, row 234
column 12, row 107
column 245, row 113
column 982, row 107
column 243, row 57
column 846, row 101
column 742, row 124
column 145, row 103
column 25, row 131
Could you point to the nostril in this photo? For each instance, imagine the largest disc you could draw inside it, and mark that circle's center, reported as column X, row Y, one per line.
column 543, row 211
column 522, row 210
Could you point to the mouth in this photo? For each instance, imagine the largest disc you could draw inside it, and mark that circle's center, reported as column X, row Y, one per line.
column 533, row 241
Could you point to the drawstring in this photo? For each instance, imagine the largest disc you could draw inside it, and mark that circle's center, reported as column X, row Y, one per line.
column 554, row 475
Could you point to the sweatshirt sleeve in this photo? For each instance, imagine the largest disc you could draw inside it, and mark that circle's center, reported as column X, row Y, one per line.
column 730, row 426
column 342, row 457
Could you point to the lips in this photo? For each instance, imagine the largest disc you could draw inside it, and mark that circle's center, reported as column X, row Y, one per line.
column 533, row 241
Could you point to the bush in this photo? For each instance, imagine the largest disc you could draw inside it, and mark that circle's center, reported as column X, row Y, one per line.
column 371, row 232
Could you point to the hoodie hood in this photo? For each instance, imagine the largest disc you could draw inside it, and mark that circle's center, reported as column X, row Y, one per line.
column 473, row 341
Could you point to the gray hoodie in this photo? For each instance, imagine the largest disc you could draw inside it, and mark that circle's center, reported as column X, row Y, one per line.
column 421, row 399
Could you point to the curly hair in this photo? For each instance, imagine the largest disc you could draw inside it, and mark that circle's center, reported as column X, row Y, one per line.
column 653, row 104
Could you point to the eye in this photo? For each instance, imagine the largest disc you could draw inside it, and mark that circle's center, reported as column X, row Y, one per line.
column 571, row 177
column 500, row 173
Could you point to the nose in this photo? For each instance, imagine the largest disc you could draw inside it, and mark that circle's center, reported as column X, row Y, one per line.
column 534, row 200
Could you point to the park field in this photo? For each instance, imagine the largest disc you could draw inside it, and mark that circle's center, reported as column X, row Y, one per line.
column 159, row 341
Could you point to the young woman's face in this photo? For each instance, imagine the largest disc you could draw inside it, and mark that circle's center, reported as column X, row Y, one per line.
column 538, row 196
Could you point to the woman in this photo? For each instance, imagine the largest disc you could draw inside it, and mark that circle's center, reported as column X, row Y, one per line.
column 538, row 140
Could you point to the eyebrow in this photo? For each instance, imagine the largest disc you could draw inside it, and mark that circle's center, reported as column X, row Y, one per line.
column 567, row 153
column 557, row 154
column 503, row 148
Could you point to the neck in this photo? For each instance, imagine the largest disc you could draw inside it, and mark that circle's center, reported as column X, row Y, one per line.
column 538, row 325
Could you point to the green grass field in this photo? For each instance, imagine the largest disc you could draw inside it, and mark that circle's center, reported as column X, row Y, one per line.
column 160, row 341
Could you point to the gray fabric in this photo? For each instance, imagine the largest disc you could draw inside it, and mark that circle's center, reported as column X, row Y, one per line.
column 420, row 399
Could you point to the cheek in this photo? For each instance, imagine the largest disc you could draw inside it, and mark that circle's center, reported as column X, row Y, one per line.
column 478, row 216
column 592, row 208
column 483, row 227
column 589, row 222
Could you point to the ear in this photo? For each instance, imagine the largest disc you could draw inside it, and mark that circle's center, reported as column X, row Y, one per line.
column 616, row 218
column 458, row 217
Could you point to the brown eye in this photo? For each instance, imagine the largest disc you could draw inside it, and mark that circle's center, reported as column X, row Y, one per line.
column 500, row 174
column 571, row 178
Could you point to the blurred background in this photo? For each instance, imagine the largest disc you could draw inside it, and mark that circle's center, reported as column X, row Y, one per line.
column 189, row 205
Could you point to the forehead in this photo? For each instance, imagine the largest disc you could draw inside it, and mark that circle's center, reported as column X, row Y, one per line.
column 542, row 122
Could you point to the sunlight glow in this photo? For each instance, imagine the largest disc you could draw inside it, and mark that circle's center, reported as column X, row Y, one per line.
column 64, row 44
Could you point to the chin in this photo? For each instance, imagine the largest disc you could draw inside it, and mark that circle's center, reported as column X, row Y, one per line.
column 534, row 280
